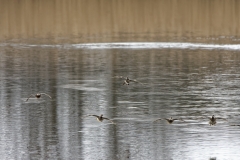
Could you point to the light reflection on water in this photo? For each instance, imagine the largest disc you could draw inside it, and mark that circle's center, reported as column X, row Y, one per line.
column 182, row 83
column 135, row 45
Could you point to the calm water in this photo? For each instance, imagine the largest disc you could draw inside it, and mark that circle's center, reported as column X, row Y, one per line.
column 181, row 80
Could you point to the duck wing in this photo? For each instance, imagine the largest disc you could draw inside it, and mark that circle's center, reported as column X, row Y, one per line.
column 235, row 125
column 134, row 80
column 221, row 118
column 109, row 120
column 179, row 119
column 157, row 120
column 46, row 95
column 125, row 83
column 203, row 117
column 29, row 97
column 119, row 77
column 91, row 115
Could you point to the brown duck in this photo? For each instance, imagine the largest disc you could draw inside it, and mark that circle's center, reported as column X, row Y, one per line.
column 169, row 120
column 213, row 120
column 127, row 80
column 38, row 95
column 100, row 118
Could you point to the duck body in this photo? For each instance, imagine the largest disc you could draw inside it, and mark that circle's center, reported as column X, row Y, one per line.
column 170, row 121
column 100, row 118
column 126, row 81
column 38, row 95
column 212, row 121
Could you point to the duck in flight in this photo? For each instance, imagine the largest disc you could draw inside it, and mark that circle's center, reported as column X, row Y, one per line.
column 38, row 95
column 235, row 125
column 169, row 120
column 100, row 118
column 127, row 80
column 213, row 120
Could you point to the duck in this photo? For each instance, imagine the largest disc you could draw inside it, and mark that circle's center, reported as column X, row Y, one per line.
column 100, row 118
column 235, row 125
column 213, row 120
column 38, row 95
column 169, row 120
column 127, row 80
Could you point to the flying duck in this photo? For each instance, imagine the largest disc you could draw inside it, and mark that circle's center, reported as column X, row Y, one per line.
column 100, row 118
column 127, row 80
column 213, row 120
column 169, row 120
column 38, row 95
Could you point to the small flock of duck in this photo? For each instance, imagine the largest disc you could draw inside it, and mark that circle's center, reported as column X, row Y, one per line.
column 212, row 119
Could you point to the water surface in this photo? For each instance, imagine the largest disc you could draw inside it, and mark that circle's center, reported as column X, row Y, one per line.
column 186, row 80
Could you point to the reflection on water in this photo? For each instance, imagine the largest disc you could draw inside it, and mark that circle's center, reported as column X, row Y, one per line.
column 75, row 21
column 184, row 82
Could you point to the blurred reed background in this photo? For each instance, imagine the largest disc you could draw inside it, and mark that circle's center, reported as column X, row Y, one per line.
column 61, row 21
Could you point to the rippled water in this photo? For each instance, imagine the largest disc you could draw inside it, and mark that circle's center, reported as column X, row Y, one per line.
column 183, row 80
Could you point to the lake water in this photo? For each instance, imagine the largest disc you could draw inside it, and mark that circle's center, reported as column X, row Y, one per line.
column 185, row 54
column 180, row 80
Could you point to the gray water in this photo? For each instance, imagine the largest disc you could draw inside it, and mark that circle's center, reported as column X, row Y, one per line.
column 180, row 80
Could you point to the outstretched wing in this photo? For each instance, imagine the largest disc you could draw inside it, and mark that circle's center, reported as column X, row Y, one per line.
column 91, row 115
column 210, row 118
column 125, row 83
column 204, row 117
column 109, row 120
column 157, row 120
column 46, row 95
column 222, row 118
column 180, row 119
column 119, row 77
column 134, row 80
column 235, row 125
column 30, row 96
